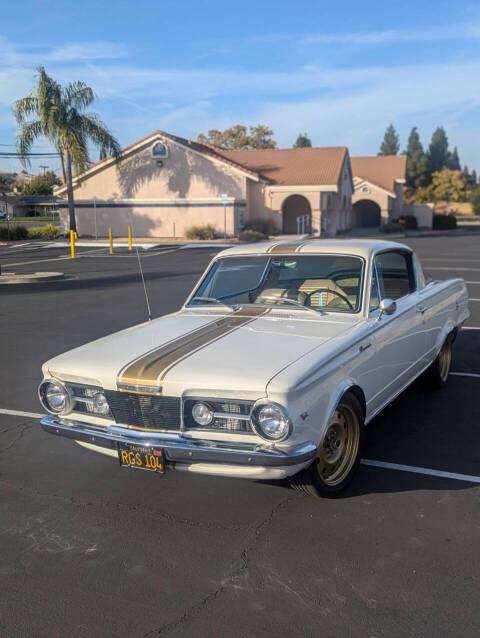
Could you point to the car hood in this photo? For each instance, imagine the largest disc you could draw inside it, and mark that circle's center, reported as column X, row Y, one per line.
column 197, row 352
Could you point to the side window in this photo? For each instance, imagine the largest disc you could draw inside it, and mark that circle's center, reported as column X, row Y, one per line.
column 395, row 274
column 374, row 293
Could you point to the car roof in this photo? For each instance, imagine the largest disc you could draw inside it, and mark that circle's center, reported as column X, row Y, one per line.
column 358, row 247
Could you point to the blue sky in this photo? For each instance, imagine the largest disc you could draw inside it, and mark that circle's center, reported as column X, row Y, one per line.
column 340, row 71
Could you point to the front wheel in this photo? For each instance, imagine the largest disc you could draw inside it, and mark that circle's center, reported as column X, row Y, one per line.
column 338, row 454
column 437, row 374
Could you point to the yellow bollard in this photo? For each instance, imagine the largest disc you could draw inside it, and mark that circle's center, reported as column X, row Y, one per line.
column 72, row 244
column 76, row 236
column 110, row 239
column 129, row 238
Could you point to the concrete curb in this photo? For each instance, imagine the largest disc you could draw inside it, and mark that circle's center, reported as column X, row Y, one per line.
column 28, row 278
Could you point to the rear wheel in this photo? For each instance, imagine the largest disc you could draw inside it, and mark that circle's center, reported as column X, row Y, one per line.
column 338, row 454
column 437, row 374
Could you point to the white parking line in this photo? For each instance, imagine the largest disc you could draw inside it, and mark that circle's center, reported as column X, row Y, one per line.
column 473, row 299
column 36, row 261
column 469, row 478
column 30, row 415
column 442, row 259
column 470, row 328
column 451, row 268
column 465, row 374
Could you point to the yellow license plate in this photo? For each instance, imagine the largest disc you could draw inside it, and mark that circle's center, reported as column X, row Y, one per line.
column 141, row 457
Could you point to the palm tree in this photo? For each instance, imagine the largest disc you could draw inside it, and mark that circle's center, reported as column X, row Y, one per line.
column 57, row 113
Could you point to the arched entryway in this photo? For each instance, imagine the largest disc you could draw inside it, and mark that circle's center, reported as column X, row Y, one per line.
column 296, row 215
column 368, row 213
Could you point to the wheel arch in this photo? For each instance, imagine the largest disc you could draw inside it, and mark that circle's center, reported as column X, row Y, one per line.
column 349, row 385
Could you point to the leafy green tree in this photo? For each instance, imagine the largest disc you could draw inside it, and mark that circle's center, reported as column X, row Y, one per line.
column 438, row 153
column 416, row 162
column 238, row 137
column 391, row 143
column 470, row 178
column 41, row 184
column 57, row 113
column 303, row 141
column 475, row 200
column 453, row 162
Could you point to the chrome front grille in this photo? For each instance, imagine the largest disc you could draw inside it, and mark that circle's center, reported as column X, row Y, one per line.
column 83, row 395
column 144, row 410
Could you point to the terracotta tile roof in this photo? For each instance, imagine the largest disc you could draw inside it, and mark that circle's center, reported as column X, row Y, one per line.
column 292, row 166
column 382, row 170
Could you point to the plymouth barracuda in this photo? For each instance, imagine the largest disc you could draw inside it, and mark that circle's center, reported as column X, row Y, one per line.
column 271, row 369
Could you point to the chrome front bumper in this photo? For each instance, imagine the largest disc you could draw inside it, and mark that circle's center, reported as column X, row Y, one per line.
column 179, row 449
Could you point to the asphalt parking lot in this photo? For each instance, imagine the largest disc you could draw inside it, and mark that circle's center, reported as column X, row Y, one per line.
column 88, row 549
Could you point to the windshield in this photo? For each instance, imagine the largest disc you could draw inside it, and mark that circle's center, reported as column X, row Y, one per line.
column 320, row 282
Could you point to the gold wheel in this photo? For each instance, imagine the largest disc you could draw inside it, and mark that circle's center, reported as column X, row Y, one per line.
column 337, row 453
column 444, row 360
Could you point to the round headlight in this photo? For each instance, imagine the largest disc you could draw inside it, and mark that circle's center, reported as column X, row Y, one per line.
column 55, row 397
column 100, row 403
column 202, row 414
column 270, row 422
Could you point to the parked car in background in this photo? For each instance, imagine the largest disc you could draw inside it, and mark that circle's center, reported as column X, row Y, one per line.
column 278, row 359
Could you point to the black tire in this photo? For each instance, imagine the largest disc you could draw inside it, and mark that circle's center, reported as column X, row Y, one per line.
column 341, row 459
column 436, row 375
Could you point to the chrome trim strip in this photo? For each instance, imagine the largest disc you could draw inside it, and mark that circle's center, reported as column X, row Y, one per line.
column 231, row 415
column 181, row 450
column 87, row 400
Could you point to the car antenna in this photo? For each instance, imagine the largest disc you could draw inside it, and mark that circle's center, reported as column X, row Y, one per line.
column 149, row 312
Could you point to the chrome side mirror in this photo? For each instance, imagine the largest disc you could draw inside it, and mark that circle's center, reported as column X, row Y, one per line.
column 387, row 307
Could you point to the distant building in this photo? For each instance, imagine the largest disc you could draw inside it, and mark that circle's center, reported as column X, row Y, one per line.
column 378, row 183
column 29, row 206
column 165, row 184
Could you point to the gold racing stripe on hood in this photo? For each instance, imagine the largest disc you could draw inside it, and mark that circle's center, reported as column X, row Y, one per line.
column 290, row 247
column 149, row 370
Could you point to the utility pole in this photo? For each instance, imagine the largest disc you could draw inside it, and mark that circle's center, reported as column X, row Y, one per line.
column 44, row 168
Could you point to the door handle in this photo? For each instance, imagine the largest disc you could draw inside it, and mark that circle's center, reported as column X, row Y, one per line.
column 422, row 309
column 364, row 347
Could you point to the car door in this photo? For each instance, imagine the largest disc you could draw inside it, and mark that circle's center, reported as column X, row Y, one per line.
column 399, row 338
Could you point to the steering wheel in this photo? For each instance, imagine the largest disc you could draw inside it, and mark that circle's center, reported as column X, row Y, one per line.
column 329, row 290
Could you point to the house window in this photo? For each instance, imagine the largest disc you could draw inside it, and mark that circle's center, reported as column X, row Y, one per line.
column 160, row 150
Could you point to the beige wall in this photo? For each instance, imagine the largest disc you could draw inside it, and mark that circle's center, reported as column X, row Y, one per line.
column 153, row 221
column 159, row 201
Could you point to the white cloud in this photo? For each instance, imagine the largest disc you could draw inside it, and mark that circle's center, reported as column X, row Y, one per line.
column 344, row 106
column 82, row 51
column 459, row 31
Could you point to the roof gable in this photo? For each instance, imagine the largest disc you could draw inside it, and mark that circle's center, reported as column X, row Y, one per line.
column 380, row 170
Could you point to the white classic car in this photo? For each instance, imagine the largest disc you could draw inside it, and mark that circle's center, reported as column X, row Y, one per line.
column 271, row 369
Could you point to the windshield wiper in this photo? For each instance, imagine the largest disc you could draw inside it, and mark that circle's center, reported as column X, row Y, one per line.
column 213, row 300
column 294, row 302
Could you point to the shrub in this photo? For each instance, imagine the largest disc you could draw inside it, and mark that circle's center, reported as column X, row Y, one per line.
column 392, row 227
column 444, row 222
column 251, row 235
column 44, row 232
column 409, row 222
column 207, row 231
column 265, row 226
column 16, row 232
column 475, row 200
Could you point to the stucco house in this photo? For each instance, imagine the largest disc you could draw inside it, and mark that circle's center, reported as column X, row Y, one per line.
column 165, row 184
column 378, row 183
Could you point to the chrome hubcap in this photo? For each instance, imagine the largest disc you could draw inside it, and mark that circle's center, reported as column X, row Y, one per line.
column 337, row 452
column 444, row 360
